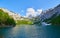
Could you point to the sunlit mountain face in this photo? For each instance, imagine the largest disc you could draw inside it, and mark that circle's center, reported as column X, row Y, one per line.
column 11, row 13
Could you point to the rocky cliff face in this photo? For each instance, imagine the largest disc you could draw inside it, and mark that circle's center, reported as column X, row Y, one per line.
column 50, row 12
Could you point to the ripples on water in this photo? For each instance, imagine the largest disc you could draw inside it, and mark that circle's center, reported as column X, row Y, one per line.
column 30, row 31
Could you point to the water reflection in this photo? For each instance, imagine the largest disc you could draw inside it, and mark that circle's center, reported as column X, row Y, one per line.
column 27, row 31
column 52, row 31
column 4, row 32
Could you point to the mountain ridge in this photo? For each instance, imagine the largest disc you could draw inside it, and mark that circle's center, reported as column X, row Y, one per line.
column 11, row 13
column 49, row 13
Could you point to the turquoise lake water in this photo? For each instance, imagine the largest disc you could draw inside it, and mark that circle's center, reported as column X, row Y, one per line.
column 30, row 31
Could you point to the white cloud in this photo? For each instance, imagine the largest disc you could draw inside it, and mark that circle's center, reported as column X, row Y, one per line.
column 32, row 12
column 39, row 11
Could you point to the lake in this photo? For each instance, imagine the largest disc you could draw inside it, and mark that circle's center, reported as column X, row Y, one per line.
column 30, row 31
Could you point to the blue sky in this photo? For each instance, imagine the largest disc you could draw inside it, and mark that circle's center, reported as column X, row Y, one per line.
column 20, row 6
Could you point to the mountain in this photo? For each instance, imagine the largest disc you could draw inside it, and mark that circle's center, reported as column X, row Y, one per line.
column 17, row 18
column 50, row 12
column 11, row 13
column 51, row 15
column 6, row 20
